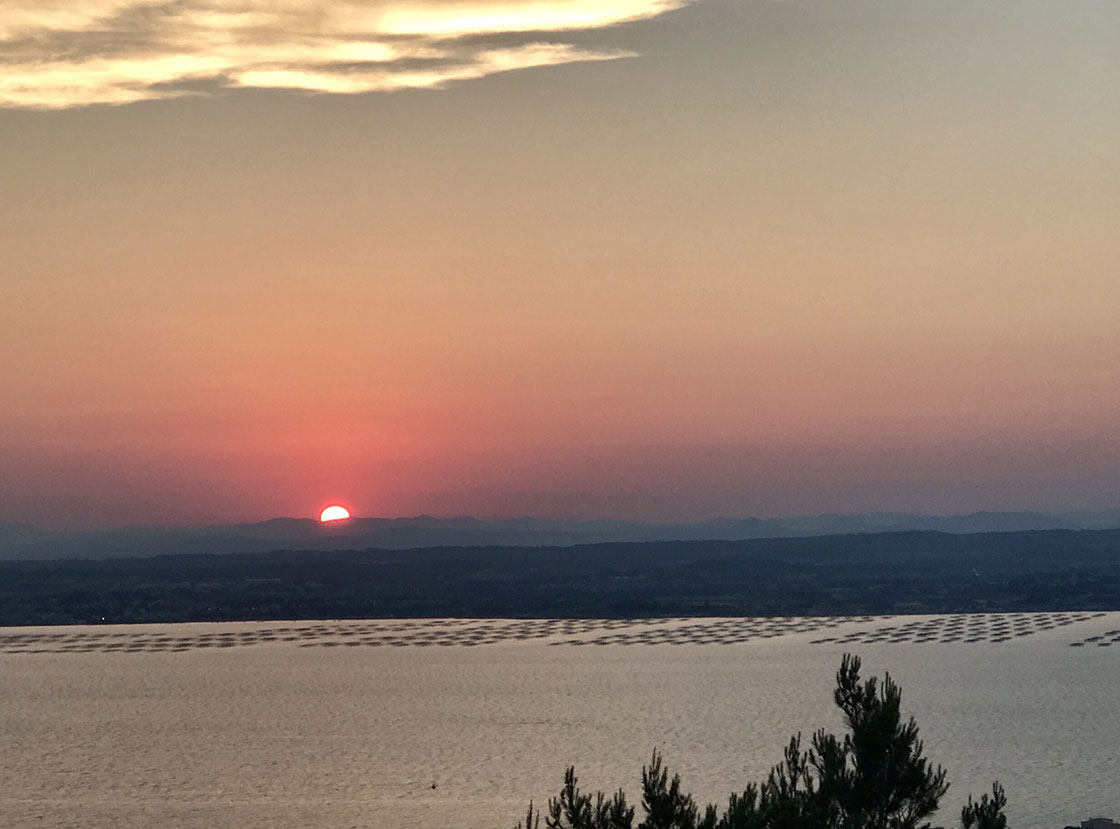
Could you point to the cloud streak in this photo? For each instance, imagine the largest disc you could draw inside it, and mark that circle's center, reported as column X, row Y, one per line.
column 56, row 54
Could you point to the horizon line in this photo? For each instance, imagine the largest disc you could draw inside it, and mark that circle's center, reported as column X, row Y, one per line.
column 580, row 521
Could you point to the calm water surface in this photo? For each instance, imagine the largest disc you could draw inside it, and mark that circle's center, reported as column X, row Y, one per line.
column 349, row 724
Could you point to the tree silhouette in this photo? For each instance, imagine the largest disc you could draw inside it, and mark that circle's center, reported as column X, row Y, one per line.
column 988, row 813
column 876, row 777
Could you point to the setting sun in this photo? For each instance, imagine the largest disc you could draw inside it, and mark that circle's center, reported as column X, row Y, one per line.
column 334, row 513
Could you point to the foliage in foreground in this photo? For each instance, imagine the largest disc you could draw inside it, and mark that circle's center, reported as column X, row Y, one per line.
column 876, row 777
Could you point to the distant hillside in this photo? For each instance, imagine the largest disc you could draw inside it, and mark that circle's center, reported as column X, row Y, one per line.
column 916, row 572
column 20, row 541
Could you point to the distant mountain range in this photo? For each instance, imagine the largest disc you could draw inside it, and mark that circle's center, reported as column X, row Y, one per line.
column 23, row 541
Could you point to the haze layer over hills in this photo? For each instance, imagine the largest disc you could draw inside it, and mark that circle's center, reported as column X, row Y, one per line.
column 22, row 541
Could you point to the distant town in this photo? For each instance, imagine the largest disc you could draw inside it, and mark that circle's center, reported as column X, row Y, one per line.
column 881, row 573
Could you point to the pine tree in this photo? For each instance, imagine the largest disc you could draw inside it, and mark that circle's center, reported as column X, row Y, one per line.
column 986, row 814
column 573, row 809
column 876, row 777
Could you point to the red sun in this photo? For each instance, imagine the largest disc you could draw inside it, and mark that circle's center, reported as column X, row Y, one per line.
column 334, row 513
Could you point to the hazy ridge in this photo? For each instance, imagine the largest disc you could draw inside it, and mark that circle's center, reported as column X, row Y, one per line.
column 26, row 542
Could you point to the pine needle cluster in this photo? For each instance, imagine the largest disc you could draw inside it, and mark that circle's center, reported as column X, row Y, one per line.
column 875, row 777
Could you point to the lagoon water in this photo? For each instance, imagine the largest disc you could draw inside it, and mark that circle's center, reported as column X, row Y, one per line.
column 455, row 724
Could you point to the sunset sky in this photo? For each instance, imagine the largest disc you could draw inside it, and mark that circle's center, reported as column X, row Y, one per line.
column 648, row 259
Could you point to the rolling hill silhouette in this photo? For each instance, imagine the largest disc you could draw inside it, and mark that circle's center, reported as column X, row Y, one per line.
column 25, row 542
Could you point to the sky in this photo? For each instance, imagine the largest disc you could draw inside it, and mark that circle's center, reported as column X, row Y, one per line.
column 651, row 259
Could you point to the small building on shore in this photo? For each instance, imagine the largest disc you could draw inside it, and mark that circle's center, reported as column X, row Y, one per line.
column 1099, row 823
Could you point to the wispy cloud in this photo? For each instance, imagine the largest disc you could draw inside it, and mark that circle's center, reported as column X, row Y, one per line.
column 65, row 53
